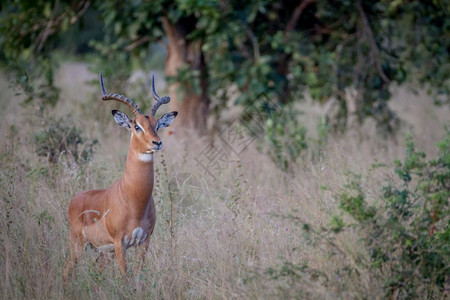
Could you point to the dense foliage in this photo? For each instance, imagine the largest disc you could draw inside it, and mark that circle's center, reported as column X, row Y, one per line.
column 29, row 32
column 267, row 48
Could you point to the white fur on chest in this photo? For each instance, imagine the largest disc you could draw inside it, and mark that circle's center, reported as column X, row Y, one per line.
column 146, row 157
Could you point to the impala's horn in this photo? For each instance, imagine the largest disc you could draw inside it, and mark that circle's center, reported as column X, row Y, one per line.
column 120, row 98
column 159, row 100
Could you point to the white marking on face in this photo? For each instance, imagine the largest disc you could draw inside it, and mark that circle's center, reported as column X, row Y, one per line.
column 146, row 157
column 140, row 127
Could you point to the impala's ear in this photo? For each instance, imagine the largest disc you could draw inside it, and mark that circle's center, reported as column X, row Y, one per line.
column 166, row 120
column 121, row 119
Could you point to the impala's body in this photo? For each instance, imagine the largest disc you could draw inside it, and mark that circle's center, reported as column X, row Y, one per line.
column 122, row 215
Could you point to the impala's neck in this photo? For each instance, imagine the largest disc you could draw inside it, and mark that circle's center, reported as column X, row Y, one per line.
column 139, row 176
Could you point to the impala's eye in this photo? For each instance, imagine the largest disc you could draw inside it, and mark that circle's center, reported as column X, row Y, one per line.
column 136, row 127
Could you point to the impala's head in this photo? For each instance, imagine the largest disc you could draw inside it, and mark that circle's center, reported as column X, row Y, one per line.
column 144, row 128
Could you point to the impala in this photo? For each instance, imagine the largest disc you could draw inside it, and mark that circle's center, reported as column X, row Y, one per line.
column 123, row 215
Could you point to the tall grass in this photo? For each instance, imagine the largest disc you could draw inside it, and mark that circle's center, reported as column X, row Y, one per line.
column 237, row 235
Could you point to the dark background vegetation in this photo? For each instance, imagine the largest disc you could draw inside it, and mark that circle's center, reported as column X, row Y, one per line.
column 275, row 49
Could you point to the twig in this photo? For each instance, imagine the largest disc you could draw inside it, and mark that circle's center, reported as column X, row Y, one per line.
column 140, row 41
column 77, row 16
column 254, row 41
column 47, row 30
column 283, row 65
column 52, row 25
column 296, row 15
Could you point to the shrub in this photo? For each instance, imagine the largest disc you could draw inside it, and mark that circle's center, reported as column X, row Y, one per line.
column 62, row 137
column 403, row 238
column 408, row 235
column 285, row 137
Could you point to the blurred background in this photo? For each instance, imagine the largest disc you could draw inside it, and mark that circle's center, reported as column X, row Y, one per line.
column 300, row 123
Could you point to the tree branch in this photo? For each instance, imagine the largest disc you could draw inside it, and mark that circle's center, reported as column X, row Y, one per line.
column 140, row 41
column 296, row 15
column 282, row 68
column 52, row 25
column 254, row 41
column 375, row 52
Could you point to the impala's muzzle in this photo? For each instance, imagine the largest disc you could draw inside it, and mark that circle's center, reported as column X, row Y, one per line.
column 158, row 145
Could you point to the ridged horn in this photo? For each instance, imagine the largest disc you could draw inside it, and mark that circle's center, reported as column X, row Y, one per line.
column 159, row 100
column 117, row 97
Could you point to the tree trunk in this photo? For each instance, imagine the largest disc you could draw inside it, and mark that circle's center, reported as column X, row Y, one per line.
column 191, row 106
column 283, row 63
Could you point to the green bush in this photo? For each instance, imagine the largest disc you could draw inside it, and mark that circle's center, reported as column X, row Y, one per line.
column 285, row 137
column 407, row 235
column 403, row 235
column 62, row 137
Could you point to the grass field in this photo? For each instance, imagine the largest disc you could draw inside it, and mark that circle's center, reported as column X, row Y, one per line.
column 235, row 232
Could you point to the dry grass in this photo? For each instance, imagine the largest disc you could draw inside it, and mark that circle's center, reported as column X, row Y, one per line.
column 227, row 231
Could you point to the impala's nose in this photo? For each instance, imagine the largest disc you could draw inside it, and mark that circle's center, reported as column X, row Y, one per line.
column 158, row 145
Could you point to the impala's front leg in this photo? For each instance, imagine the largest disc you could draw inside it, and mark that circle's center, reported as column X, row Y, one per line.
column 120, row 251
